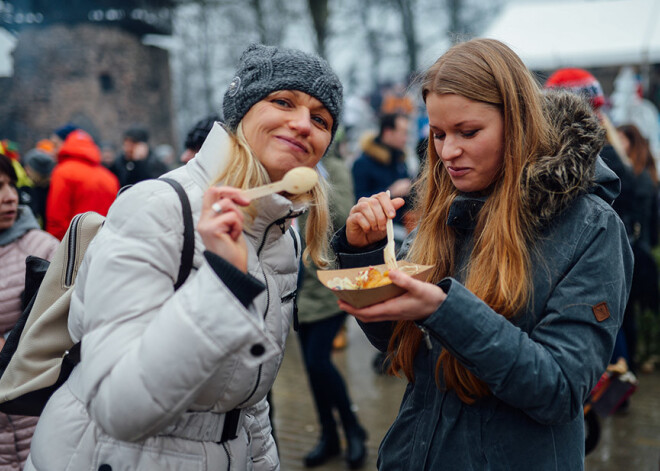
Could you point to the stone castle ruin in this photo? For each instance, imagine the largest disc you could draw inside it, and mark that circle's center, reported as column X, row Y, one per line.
column 84, row 62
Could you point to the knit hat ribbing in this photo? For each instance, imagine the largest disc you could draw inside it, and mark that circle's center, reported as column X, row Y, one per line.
column 266, row 69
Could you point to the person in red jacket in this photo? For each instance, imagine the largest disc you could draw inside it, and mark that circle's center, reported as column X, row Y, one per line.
column 79, row 183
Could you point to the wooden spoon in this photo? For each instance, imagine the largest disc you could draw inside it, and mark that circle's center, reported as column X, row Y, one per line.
column 295, row 181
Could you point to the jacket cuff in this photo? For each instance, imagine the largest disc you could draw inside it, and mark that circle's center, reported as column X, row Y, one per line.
column 450, row 324
column 349, row 256
column 245, row 287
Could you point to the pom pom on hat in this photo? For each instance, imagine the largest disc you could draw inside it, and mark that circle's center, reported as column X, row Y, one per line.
column 266, row 69
column 579, row 81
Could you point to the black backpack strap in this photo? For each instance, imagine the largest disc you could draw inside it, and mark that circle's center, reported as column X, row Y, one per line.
column 188, row 250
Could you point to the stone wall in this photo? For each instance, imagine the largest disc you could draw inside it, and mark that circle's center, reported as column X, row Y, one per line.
column 101, row 78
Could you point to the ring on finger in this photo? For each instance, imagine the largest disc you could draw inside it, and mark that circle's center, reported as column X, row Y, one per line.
column 216, row 207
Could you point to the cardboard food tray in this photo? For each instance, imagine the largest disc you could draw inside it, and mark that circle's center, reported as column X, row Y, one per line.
column 366, row 297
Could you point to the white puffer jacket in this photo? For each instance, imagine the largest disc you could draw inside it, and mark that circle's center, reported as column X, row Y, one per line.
column 160, row 368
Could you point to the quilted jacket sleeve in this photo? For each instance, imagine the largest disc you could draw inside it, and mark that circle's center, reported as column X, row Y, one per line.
column 148, row 351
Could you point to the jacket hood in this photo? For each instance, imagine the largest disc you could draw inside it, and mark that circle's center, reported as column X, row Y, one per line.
column 551, row 182
column 80, row 145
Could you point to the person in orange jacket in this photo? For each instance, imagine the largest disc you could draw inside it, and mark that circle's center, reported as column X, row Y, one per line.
column 79, row 183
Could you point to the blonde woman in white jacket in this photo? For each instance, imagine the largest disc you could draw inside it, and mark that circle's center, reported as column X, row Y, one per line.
column 177, row 380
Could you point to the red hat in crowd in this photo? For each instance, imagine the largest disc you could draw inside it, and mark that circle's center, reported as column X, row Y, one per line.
column 579, row 81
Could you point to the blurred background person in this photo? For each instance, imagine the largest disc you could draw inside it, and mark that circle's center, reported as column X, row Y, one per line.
column 397, row 101
column 39, row 167
column 23, row 182
column 164, row 153
column 108, row 154
column 320, row 319
column 644, row 292
column 59, row 136
column 196, row 135
column 382, row 164
column 78, row 183
column 20, row 236
column 136, row 162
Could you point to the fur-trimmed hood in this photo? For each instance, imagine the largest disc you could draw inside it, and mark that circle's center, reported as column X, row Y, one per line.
column 381, row 153
column 551, row 182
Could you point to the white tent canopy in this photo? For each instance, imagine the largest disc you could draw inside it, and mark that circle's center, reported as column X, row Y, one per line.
column 582, row 33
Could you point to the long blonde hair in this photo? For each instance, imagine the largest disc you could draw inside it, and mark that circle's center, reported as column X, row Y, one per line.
column 498, row 271
column 244, row 171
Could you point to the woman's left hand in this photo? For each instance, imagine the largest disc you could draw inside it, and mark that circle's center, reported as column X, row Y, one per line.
column 420, row 300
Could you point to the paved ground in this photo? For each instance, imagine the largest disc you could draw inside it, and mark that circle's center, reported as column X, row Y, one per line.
column 629, row 442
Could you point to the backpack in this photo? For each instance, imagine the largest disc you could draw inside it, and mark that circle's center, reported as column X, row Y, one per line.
column 39, row 354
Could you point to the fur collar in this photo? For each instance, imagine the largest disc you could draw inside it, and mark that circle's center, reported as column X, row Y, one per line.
column 381, row 153
column 551, row 182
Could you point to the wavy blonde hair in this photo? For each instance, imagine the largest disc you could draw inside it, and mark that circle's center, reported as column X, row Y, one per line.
column 498, row 270
column 244, row 171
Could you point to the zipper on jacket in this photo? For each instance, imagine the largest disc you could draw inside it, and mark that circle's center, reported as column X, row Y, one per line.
column 71, row 250
column 426, row 337
column 281, row 224
column 224, row 445
column 288, row 297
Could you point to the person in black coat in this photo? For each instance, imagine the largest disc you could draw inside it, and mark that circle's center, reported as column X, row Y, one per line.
column 137, row 162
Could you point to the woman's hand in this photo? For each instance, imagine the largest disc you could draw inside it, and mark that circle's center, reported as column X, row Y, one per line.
column 222, row 232
column 419, row 301
column 367, row 220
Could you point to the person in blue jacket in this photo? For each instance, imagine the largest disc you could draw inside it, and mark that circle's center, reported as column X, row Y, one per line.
column 531, row 273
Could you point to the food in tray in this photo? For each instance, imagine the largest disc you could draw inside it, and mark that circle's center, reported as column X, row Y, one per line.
column 370, row 277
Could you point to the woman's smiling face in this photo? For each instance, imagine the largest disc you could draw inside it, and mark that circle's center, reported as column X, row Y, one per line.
column 468, row 137
column 288, row 129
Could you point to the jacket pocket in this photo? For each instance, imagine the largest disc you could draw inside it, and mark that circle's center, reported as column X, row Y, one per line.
column 116, row 455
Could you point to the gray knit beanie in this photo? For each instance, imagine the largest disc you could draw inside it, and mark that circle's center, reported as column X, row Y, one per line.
column 266, row 69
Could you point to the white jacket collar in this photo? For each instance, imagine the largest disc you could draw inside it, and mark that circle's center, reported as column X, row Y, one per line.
column 212, row 158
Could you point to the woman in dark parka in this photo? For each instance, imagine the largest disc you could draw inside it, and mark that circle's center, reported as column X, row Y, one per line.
column 517, row 321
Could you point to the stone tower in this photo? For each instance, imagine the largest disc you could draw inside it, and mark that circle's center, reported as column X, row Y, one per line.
column 84, row 62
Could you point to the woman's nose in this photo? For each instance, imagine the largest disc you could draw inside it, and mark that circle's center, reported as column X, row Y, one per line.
column 450, row 148
column 302, row 121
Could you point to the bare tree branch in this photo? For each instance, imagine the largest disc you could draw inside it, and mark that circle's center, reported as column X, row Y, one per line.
column 319, row 12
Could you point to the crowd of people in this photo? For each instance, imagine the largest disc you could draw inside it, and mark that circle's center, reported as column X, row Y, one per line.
column 527, row 201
